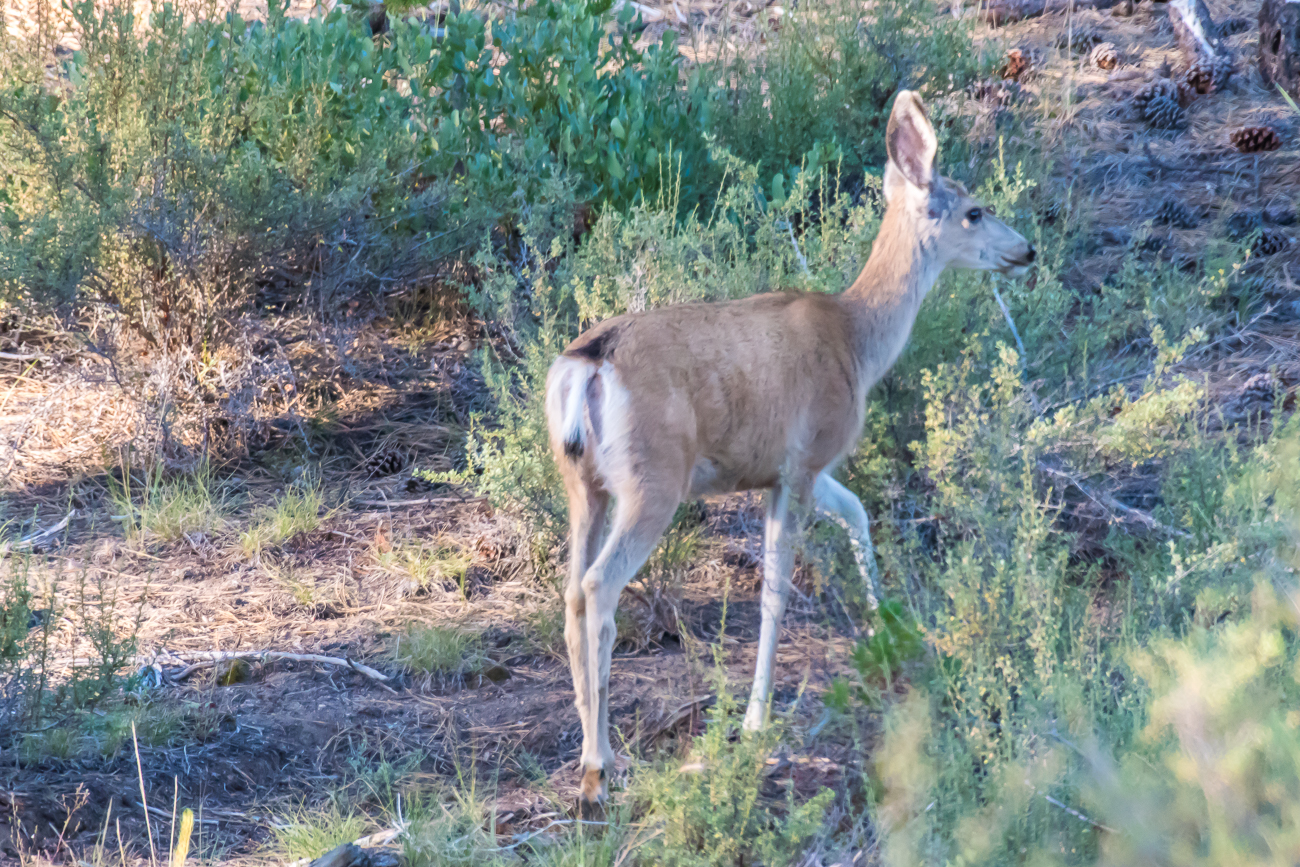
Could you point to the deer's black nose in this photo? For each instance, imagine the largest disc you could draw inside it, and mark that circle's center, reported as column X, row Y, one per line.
column 1033, row 254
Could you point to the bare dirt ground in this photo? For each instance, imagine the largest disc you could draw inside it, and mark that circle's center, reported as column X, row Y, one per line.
column 282, row 733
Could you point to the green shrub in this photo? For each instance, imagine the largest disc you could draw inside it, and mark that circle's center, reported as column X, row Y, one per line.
column 713, row 810
column 46, row 670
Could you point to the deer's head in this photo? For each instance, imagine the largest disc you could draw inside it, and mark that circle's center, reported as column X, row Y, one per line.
column 951, row 225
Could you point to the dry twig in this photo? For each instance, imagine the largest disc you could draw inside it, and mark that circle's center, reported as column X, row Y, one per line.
column 207, row 659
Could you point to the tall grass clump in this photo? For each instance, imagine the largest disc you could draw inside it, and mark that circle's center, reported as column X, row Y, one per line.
column 295, row 511
column 164, row 508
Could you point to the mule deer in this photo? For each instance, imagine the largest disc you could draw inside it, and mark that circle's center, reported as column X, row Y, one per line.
column 768, row 392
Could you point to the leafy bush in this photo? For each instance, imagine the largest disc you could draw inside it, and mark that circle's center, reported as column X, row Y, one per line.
column 46, row 670
column 713, row 811
column 188, row 169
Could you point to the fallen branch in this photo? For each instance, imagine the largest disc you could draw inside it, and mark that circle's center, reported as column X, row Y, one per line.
column 999, row 12
column 36, row 538
column 1109, row 504
column 427, row 501
column 207, row 659
column 163, row 814
column 1076, row 814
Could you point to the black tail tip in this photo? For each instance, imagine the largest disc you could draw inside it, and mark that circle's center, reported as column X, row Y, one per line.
column 573, row 449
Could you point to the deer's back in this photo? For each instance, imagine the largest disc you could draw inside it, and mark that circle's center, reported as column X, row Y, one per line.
column 734, row 393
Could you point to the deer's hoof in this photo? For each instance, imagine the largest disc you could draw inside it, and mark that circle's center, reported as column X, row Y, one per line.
column 592, row 794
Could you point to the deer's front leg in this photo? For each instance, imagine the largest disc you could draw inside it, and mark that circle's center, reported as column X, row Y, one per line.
column 842, row 506
column 778, row 563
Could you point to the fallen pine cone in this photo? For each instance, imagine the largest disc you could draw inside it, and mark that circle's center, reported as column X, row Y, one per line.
column 1176, row 214
column 1255, row 139
column 1270, row 241
column 1165, row 113
column 1208, row 75
column 1079, row 41
column 1161, row 87
column 1104, row 56
column 996, row 92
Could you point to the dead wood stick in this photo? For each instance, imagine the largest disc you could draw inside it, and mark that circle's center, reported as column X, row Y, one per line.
column 209, row 658
column 1195, row 30
column 163, row 814
column 1076, row 814
column 37, row 537
column 999, row 12
column 427, row 501
column 1198, row 40
column 1110, row 504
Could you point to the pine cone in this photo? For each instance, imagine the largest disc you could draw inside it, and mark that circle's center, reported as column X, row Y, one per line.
column 1104, row 56
column 1270, row 241
column 1208, row 75
column 1255, row 139
column 1161, row 87
column 1176, row 214
column 1165, row 113
column 386, row 462
column 1080, row 41
column 1015, row 65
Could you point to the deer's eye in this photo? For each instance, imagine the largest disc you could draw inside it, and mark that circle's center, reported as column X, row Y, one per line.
column 973, row 215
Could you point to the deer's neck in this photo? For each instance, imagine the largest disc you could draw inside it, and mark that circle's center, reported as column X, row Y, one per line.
column 884, row 300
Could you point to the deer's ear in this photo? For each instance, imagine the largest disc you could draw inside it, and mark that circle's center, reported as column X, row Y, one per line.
column 910, row 141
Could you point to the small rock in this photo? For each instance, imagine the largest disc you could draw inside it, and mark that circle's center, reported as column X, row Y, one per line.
column 231, row 672
column 1280, row 215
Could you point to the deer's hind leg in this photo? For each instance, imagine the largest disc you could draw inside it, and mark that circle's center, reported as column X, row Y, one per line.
column 588, row 508
column 842, row 506
column 641, row 515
